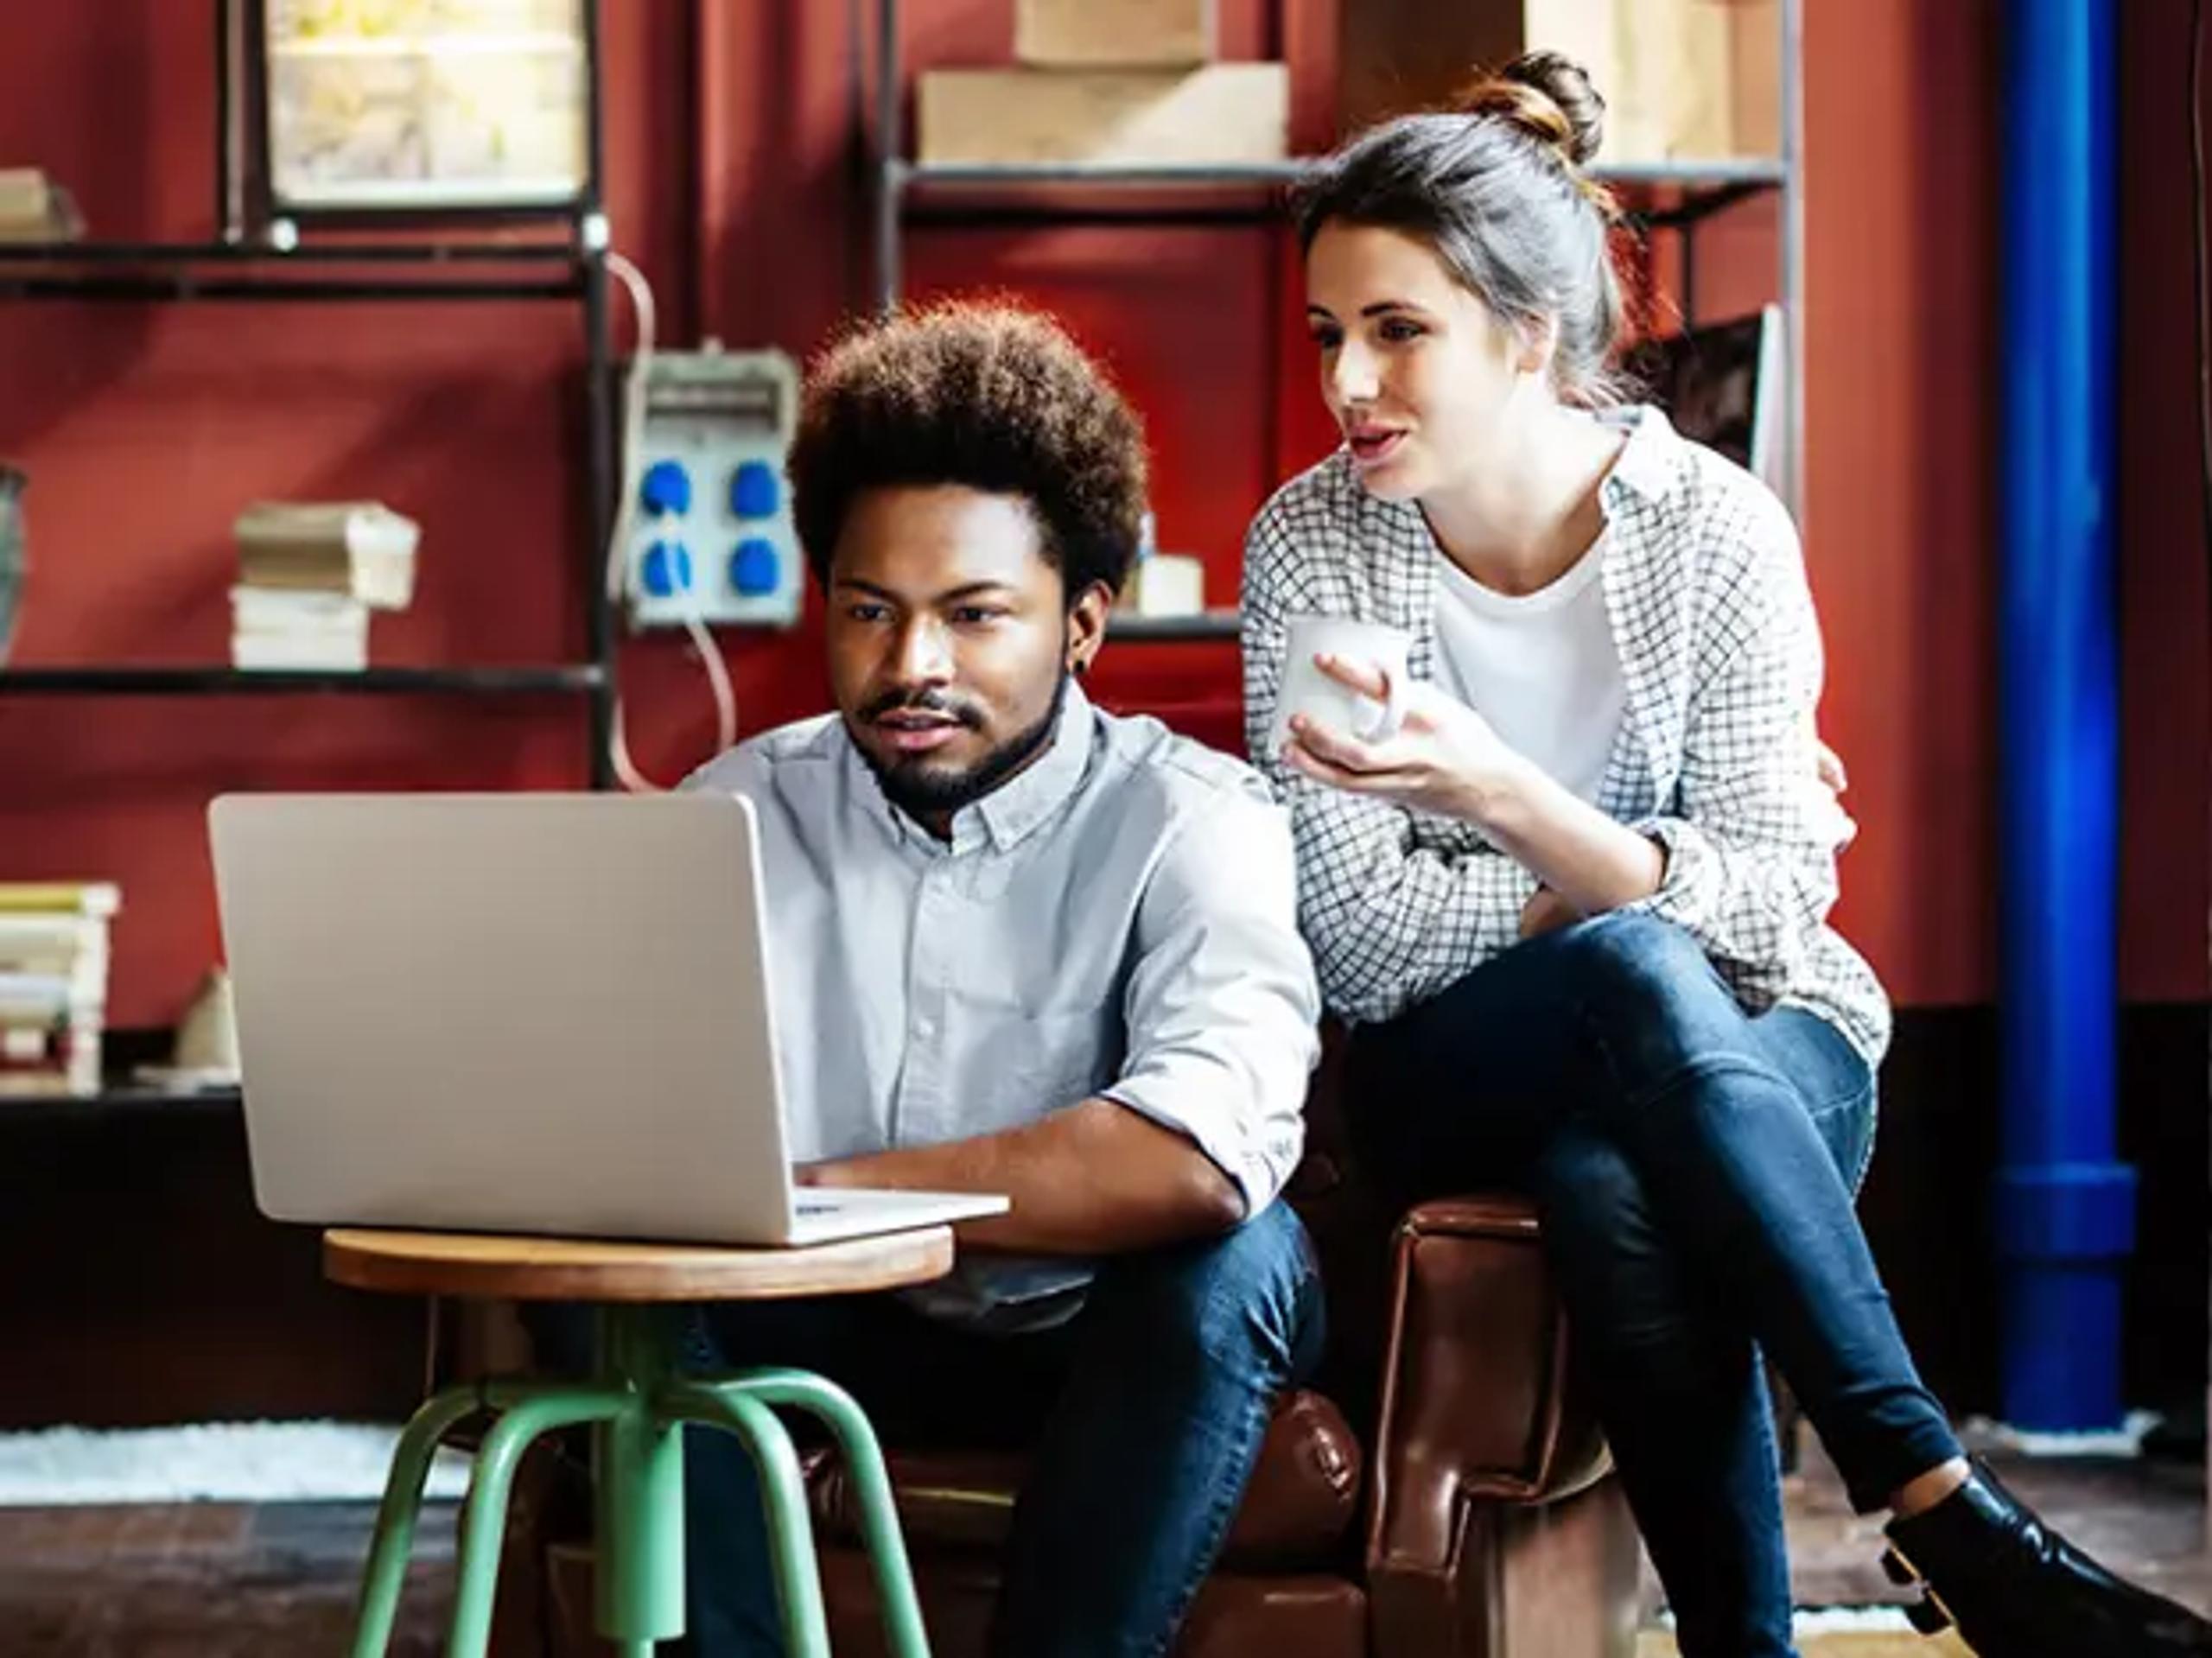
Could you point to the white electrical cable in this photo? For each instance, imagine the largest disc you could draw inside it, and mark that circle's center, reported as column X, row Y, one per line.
column 626, row 515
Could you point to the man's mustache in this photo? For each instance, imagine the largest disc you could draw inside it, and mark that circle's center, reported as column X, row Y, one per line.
column 922, row 702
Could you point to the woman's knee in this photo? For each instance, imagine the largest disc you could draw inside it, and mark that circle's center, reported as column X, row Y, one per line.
column 1638, row 964
column 1650, row 998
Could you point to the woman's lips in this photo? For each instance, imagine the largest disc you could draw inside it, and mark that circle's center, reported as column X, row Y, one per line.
column 1374, row 445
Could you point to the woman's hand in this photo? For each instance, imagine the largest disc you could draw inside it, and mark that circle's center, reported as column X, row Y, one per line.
column 1546, row 912
column 1829, row 766
column 1444, row 759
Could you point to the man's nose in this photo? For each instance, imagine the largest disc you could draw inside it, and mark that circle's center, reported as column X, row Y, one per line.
column 921, row 655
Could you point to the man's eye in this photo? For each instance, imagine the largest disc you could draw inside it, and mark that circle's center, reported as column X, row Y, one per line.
column 867, row 612
column 1328, row 339
column 1398, row 331
column 970, row 615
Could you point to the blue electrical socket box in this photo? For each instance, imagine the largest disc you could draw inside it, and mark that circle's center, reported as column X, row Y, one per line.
column 711, row 533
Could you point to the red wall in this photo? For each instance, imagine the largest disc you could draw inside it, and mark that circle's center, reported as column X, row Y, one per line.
column 2165, row 583
column 1900, row 355
column 733, row 181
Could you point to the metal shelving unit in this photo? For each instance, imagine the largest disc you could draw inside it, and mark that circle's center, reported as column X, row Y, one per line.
column 143, row 272
column 555, row 256
column 1677, row 197
column 193, row 680
column 130, row 1102
column 1206, row 624
column 562, row 260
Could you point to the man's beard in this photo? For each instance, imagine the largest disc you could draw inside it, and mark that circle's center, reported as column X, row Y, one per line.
column 920, row 790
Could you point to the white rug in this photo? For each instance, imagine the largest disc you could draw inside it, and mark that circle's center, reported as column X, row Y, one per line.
column 1813, row 1621
column 213, row 1461
column 1980, row 1434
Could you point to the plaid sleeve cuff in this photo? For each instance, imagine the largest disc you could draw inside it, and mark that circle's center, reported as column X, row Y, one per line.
column 1684, row 889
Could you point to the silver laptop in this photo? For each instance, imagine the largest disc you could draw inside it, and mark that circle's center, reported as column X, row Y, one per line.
column 519, row 1013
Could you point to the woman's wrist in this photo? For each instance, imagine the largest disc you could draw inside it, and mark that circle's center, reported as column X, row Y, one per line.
column 1501, row 799
column 1593, row 861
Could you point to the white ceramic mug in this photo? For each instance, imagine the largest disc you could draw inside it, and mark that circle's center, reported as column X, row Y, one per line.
column 1328, row 702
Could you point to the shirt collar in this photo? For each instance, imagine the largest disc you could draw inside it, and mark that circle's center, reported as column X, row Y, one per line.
column 1647, row 463
column 1013, row 810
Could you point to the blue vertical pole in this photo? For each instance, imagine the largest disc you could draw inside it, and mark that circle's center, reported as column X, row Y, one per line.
column 2064, row 1208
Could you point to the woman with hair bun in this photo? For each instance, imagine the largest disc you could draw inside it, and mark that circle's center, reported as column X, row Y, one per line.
column 1575, row 906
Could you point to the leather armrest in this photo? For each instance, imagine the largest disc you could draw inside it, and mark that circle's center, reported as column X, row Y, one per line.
column 1475, row 1402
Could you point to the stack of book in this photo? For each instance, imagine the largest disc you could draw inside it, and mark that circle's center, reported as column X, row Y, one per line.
column 53, row 957
column 33, row 209
column 310, row 573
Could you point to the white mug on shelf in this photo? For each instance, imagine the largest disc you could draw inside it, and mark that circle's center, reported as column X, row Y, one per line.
column 1328, row 702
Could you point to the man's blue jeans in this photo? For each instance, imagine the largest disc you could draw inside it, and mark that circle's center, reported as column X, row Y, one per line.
column 1694, row 1167
column 1143, row 1415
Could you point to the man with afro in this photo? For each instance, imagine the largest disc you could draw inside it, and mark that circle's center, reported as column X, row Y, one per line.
column 1023, row 946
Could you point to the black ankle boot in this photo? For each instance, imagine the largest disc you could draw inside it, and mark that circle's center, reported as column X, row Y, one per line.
column 2016, row 1589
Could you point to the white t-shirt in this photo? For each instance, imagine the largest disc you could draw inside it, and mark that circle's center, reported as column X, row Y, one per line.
column 1540, row 667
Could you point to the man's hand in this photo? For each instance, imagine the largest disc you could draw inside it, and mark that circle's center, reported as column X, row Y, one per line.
column 1096, row 1178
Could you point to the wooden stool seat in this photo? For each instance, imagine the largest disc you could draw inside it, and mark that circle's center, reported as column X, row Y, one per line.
column 581, row 1269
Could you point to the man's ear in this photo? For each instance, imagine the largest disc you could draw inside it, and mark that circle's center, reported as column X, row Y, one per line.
column 1087, row 626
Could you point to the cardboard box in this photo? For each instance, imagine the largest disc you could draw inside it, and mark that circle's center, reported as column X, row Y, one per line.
column 1225, row 112
column 1682, row 79
column 1164, row 584
column 1125, row 34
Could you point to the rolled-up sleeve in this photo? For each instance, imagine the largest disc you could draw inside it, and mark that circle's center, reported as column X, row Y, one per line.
column 1222, row 1005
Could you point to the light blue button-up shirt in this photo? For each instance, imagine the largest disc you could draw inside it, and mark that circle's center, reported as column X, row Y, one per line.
column 1118, row 920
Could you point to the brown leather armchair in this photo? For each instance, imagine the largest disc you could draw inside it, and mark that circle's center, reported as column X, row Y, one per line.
column 1478, row 1517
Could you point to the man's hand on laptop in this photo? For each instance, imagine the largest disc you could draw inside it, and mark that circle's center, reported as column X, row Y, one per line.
column 1095, row 1179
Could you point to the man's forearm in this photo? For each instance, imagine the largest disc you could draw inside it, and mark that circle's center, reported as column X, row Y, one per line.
column 1096, row 1178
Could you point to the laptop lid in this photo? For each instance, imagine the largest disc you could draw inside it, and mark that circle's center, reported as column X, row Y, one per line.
column 514, row 1012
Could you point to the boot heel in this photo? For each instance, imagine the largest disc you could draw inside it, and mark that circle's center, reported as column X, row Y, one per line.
column 1986, row 1563
column 1926, row 1617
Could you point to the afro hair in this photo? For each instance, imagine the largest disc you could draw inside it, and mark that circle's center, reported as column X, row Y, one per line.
column 988, row 395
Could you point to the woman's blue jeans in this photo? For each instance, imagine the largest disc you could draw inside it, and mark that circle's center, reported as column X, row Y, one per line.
column 1694, row 1167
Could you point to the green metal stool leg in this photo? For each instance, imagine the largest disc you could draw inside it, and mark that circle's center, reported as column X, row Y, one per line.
column 856, row 1441
column 386, row 1574
column 397, row 1514
column 783, row 1495
column 548, row 1407
column 638, row 1484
